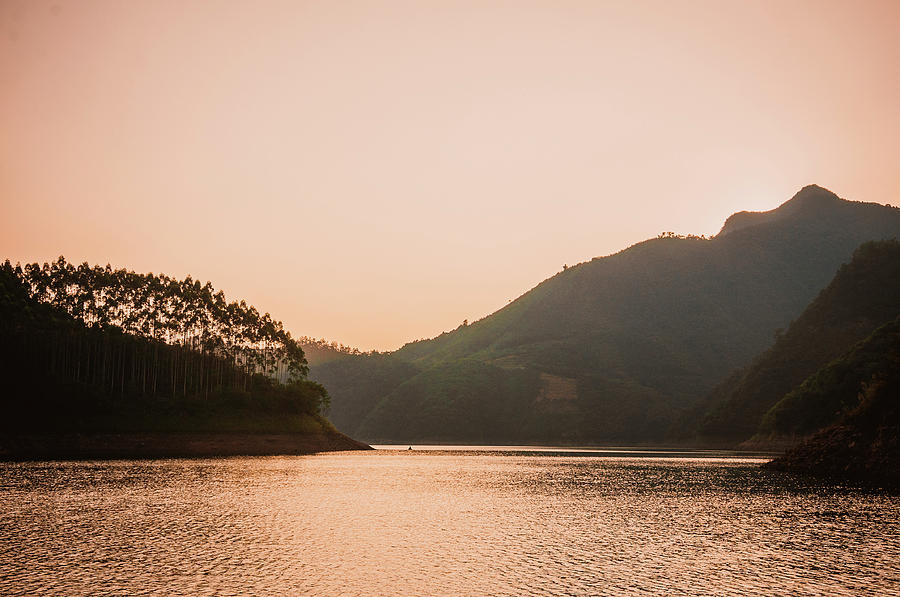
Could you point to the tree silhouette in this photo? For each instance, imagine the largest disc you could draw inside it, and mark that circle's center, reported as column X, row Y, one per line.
column 153, row 334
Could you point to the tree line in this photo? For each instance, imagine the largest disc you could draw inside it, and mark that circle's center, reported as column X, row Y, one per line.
column 131, row 333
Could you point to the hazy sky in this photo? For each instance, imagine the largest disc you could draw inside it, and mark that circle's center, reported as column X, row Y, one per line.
column 376, row 172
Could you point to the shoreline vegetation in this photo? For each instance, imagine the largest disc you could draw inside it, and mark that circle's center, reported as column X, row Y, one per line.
column 103, row 362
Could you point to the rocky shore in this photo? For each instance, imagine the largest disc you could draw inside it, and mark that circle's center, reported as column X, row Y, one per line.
column 847, row 453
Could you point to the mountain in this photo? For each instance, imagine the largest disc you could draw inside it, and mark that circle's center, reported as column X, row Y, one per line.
column 862, row 390
column 864, row 294
column 322, row 351
column 361, row 380
column 615, row 348
column 835, row 389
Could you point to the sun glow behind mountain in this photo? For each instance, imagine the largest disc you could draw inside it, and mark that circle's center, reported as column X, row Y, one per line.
column 377, row 172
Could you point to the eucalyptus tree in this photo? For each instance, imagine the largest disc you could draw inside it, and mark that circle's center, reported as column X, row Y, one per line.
column 194, row 340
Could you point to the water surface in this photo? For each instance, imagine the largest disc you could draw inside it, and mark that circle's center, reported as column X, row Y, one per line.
column 441, row 522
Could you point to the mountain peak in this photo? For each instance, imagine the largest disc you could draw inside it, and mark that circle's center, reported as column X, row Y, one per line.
column 617, row 348
column 813, row 189
column 809, row 196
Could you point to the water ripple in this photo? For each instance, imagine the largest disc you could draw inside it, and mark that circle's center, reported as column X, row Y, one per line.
column 439, row 524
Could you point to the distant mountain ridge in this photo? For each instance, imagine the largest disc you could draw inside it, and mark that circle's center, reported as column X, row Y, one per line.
column 318, row 351
column 811, row 197
column 614, row 348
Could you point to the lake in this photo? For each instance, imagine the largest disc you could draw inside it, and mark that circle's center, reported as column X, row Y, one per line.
column 473, row 521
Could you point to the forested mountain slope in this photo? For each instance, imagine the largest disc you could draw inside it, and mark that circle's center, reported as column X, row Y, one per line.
column 862, row 392
column 615, row 348
column 864, row 294
column 836, row 389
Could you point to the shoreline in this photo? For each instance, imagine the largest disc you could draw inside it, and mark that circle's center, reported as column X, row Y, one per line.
column 765, row 449
column 150, row 445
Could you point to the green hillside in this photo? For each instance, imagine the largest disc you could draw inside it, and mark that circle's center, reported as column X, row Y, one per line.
column 864, row 294
column 863, row 390
column 637, row 336
column 835, row 389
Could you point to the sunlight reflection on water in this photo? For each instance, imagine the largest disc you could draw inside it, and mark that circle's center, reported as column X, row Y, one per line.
column 440, row 522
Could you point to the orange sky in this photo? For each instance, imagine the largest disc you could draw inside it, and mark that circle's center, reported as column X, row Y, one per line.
column 375, row 172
